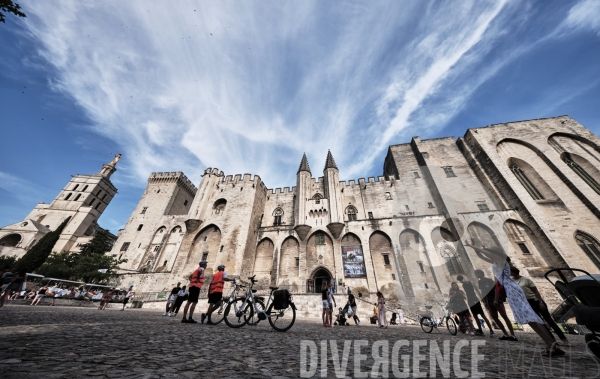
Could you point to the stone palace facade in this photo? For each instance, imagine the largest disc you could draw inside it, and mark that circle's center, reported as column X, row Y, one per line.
column 530, row 187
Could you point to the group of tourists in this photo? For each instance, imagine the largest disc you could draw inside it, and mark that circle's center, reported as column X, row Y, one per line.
column 179, row 294
column 520, row 292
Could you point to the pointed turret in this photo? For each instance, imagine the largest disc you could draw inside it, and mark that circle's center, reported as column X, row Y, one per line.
column 330, row 162
column 304, row 164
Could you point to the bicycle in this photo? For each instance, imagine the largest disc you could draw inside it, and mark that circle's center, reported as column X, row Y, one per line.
column 241, row 310
column 218, row 315
column 428, row 322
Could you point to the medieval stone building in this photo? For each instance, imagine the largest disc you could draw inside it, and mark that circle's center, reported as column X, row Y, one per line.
column 83, row 199
column 531, row 188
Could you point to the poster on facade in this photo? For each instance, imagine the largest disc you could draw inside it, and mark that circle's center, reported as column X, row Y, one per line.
column 354, row 262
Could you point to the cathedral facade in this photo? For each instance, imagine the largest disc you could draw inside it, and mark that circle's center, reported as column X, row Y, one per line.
column 529, row 187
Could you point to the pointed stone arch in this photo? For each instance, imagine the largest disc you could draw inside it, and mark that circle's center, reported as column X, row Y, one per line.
column 382, row 255
column 11, row 240
column 263, row 262
column 289, row 263
column 319, row 251
column 418, row 262
column 206, row 245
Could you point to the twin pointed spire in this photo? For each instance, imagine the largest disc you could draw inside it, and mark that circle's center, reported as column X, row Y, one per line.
column 303, row 164
column 329, row 163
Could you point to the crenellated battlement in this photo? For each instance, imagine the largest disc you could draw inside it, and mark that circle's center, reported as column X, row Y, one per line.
column 238, row 178
column 284, row 190
column 213, row 171
column 381, row 181
column 173, row 177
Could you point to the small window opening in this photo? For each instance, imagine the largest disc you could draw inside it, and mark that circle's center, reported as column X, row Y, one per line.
column 320, row 239
column 156, row 248
column 84, row 188
column 205, row 256
column 524, row 248
column 68, row 196
column 449, row 172
column 97, row 205
column 483, row 207
column 76, row 186
column 140, row 226
column 407, row 208
column 164, row 263
column 416, row 174
column 77, row 197
column 185, row 203
column 144, row 210
column 297, row 262
column 386, row 259
column 125, row 246
column 221, row 249
column 92, row 202
column 426, row 286
column 421, row 266
column 393, row 276
column 370, row 214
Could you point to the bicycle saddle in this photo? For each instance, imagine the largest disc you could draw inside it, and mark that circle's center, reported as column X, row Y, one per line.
column 273, row 288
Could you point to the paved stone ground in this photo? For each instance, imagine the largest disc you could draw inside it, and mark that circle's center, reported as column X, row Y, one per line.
column 69, row 342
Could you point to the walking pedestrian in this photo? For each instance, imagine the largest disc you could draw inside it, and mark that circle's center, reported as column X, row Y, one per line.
column 196, row 282
column 487, row 287
column 475, row 305
column 215, row 292
column 522, row 311
column 534, row 298
column 128, row 296
column 332, row 303
column 352, row 304
column 326, row 308
column 401, row 319
column 171, row 299
column 381, row 310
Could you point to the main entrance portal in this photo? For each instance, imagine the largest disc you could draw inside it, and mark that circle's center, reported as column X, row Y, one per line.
column 318, row 281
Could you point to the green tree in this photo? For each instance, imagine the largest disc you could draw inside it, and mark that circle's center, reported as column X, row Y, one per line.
column 90, row 265
column 10, row 7
column 37, row 255
column 5, row 260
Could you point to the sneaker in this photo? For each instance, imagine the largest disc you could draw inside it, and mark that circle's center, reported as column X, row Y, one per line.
column 504, row 338
column 358, row 323
column 492, row 334
column 184, row 321
column 191, row 321
column 202, row 318
column 165, row 314
column 512, row 338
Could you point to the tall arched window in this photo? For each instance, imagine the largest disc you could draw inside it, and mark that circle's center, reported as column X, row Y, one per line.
column 74, row 188
column 68, row 196
column 77, row 197
column 533, row 191
column 590, row 247
column 576, row 162
column 219, row 206
column 451, row 257
column 277, row 214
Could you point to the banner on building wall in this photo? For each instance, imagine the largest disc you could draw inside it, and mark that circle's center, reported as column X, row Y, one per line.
column 354, row 262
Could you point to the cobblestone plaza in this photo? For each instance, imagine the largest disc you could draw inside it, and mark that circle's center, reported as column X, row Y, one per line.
column 74, row 342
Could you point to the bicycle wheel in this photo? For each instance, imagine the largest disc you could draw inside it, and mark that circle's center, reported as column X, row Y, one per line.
column 281, row 319
column 219, row 314
column 237, row 313
column 253, row 320
column 427, row 324
column 451, row 325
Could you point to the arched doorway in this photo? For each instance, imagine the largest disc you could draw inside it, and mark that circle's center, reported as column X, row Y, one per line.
column 318, row 280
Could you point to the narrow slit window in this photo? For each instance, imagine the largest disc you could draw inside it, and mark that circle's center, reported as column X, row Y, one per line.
column 370, row 214
column 524, row 248
column 525, row 182
column 386, row 259
column 449, row 172
column 125, row 246
column 140, row 226
column 144, row 210
column 297, row 262
column 421, row 266
column 205, row 256
column 483, row 207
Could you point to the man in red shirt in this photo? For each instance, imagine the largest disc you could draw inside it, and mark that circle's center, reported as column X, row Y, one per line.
column 196, row 282
column 215, row 292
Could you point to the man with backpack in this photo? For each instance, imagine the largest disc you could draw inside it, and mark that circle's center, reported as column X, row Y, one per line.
column 196, row 282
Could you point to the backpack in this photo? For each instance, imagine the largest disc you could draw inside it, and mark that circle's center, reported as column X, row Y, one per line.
column 281, row 299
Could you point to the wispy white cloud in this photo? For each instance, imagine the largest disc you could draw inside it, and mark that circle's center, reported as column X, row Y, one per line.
column 249, row 86
column 584, row 15
column 21, row 189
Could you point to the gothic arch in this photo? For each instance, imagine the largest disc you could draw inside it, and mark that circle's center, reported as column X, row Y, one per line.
column 382, row 255
column 483, row 235
column 263, row 261
column 350, row 239
column 590, row 246
column 166, row 256
column 176, row 229
column 526, row 245
column 206, row 243
column 319, row 251
column 444, row 242
column 553, row 137
column 320, row 268
column 416, row 256
column 584, row 169
column 278, row 212
column 289, row 262
column 158, row 235
column 219, row 206
column 531, row 180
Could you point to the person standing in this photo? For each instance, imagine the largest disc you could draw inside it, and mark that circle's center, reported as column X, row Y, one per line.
column 459, row 306
column 128, row 296
column 475, row 306
column 381, row 310
column 332, row 304
column 196, row 282
column 171, row 299
column 215, row 292
column 487, row 287
column 522, row 311
column 181, row 297
column 325, row 302
column 401, row 319
column 534, row 298
column 15, row 284
column 352, row 304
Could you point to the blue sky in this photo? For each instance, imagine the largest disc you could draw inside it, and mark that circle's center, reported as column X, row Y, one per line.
column 249, row 86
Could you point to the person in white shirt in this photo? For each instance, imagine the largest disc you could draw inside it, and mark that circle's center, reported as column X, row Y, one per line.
column 130, row 294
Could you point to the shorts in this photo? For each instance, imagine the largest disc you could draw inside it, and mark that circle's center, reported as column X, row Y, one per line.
column 194, row 293
column 325, row 304
column 215, row 297
column 126, row 300
column 38, row 296
column 476, row 309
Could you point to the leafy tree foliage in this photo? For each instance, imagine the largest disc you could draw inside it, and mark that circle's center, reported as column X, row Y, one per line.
column 37, row 255
column 10, row 7
column 90, row 265
column 5, row 260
